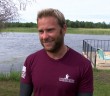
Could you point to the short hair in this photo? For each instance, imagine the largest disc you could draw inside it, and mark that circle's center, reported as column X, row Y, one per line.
column 54, row 13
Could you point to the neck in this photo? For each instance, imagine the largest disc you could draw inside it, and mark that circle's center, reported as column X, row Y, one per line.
column 59, row 54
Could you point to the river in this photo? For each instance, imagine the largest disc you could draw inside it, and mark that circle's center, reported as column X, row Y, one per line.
column 15, row 47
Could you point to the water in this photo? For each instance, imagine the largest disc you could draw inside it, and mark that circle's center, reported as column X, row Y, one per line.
column 15, row 47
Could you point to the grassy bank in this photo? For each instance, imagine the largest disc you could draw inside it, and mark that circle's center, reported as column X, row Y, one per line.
column 19, row 29
column 13, row 76
column 10, row 87
column 95, row 31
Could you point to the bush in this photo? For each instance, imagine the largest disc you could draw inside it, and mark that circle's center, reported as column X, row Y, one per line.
column 14, row 76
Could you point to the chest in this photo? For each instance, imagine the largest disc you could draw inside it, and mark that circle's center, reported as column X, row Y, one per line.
column 55, row 77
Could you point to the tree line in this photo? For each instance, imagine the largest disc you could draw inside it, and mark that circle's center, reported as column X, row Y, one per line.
column 18, row 24
column 71, row 24
column 83, row 24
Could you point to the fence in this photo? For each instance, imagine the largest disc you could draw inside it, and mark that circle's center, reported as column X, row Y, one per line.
column 90, row 47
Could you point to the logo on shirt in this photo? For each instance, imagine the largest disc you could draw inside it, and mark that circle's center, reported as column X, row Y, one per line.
column 23, row 75
column 66, row 79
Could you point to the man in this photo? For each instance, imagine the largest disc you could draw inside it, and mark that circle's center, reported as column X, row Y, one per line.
column 55, row 70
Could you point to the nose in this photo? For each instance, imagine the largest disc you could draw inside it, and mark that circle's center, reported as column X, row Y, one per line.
column 45, row 35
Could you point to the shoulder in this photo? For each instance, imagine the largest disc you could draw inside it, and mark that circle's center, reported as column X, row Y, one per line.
column 79, row 58
column 76, row 54
column 33, row 56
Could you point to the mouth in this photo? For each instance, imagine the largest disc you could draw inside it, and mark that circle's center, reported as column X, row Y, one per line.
column 48, row 43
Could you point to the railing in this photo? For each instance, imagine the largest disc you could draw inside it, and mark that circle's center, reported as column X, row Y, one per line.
column 90, row 47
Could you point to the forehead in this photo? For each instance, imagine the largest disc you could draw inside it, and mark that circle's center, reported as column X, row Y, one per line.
column 47, row 21
column 47, row 17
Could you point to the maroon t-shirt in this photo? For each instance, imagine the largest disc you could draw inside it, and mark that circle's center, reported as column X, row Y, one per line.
column 63, row 77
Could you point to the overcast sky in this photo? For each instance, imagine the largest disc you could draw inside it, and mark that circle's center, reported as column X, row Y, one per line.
column 81, row 10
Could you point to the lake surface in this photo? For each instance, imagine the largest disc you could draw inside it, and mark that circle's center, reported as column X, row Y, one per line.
column 15, row 47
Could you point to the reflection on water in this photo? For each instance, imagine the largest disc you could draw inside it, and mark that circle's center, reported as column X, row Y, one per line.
column 15, row 47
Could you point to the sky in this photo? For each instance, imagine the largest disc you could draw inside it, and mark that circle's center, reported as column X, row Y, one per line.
column 81, row 10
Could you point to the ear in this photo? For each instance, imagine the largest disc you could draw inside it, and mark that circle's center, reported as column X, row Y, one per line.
column 64, row 28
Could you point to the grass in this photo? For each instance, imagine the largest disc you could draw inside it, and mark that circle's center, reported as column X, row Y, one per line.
column 95, row 31
column 19, row 29
column 10, row 86
column 101, row 82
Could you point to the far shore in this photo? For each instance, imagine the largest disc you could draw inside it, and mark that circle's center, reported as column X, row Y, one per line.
column 92, row 31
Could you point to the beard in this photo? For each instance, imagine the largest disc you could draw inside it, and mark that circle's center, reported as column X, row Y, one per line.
column 53, row 44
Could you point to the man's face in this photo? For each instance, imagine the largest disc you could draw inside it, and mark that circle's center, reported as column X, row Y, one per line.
column 51, row 34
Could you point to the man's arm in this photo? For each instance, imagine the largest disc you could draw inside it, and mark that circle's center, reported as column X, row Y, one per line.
column 25, row 89
column 85, row 94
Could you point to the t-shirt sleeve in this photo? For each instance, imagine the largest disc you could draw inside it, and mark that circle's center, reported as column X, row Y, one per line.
column 26, row 71
column 86, row 80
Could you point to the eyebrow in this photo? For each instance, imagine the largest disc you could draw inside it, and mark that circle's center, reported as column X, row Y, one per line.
column 48, row 29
